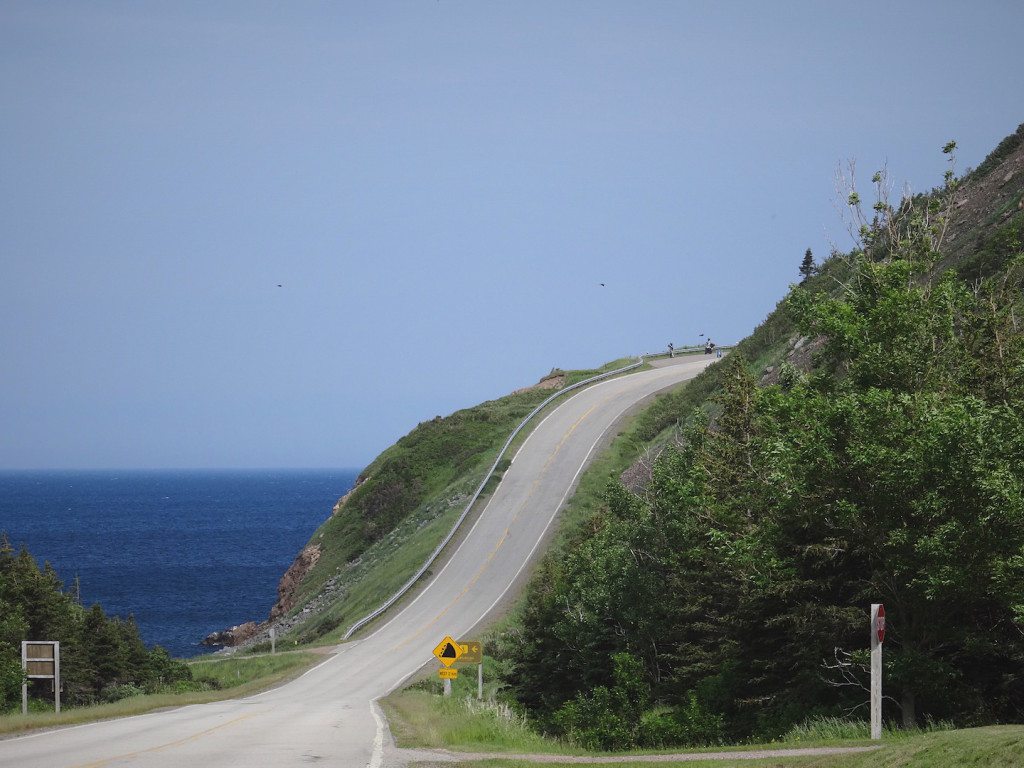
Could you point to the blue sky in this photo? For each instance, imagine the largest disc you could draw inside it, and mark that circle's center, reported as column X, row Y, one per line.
column 438, row 187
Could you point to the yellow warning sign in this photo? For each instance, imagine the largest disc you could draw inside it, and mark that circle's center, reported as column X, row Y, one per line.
column 448, row 651
column 448, row 673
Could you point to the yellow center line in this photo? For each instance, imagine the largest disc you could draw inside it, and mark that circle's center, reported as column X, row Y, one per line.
column 168, row 745
column 487, row 561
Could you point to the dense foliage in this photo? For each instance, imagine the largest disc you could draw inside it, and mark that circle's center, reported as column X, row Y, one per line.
column 731, row 598
column 102, row 658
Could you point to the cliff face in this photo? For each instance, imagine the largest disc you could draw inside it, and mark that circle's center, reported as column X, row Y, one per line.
column 987, row 224
column 289, row 585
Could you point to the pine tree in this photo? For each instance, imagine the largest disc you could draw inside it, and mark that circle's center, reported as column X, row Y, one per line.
column 807, row 268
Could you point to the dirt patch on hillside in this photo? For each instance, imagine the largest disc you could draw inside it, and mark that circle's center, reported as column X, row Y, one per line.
column 551, row 381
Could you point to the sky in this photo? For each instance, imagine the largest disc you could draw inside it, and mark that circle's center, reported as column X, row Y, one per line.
column 254, row 234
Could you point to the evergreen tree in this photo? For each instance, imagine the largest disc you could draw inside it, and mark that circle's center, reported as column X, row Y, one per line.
column 100, row 656
column 807, row 268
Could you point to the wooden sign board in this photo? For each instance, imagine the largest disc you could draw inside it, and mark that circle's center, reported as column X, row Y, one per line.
column 39, row 650
column 44, row 669
column 40, row 660
column 472, row 652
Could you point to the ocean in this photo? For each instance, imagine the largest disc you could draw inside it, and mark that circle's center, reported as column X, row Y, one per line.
column 186, row 552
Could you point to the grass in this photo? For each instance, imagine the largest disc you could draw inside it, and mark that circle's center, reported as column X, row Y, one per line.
column 264, row 671
column 991, row 747
column 229, row 678
column 382, row 569
column 356, row 572
column 421, row 719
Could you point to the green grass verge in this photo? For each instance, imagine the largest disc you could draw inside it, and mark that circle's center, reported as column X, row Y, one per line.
column 229, row 677
column 422, row 719
column 999, row 746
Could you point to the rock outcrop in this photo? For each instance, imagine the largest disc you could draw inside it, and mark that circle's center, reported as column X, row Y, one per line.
column 289, row 584
column 232, row 636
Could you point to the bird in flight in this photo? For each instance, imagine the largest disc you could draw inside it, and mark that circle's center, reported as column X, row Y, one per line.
column 602, row 285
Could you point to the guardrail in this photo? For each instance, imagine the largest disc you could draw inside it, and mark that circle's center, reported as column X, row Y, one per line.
column 688, row 350
column 430, row 560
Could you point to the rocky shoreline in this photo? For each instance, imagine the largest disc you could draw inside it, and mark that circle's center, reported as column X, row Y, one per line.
column 251, row 633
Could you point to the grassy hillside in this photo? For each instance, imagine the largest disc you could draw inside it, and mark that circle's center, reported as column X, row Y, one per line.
column 404, row 503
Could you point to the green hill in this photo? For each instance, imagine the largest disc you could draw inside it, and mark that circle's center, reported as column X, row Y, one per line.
column 864, row 444
column 403, row 505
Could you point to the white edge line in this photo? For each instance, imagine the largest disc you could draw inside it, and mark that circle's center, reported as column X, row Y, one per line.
column 476, row 522
column 580, row 385
column 164, row 711
column 529, row 557
column 377, row 757
column 340, row 650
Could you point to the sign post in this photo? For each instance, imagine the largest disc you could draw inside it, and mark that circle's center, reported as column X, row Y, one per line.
column 877, row 638
column 40, row 660
column 473, row 653
column 448, row 652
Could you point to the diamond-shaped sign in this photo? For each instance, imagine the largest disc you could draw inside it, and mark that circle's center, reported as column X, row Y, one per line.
column 448, row 651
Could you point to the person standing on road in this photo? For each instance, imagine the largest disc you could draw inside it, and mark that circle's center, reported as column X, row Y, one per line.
column 671, row 350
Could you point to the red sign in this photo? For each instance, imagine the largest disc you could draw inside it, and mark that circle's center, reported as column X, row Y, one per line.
column 880, row 623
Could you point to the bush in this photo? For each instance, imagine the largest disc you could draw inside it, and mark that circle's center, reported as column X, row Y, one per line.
column 694, row 724
column 190, row 686
column 608, row 718
column 117, row 692
column 596, row 721
column 659, row 728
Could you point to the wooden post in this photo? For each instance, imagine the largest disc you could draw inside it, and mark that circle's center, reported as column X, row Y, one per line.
column 876, row 676
column 56, row 676
column 447, row 687
column 273, row 641
column 480, row 682
column 24, row 681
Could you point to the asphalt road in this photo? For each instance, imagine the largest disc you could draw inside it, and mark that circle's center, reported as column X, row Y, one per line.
column 327, row 717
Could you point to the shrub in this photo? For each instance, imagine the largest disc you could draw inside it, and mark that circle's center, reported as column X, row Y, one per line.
column 120, row 691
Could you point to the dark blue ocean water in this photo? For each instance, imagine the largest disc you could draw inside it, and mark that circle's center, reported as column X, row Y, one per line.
column 186, row 552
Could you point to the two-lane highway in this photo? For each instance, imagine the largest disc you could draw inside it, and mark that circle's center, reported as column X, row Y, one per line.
column 326, row 717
